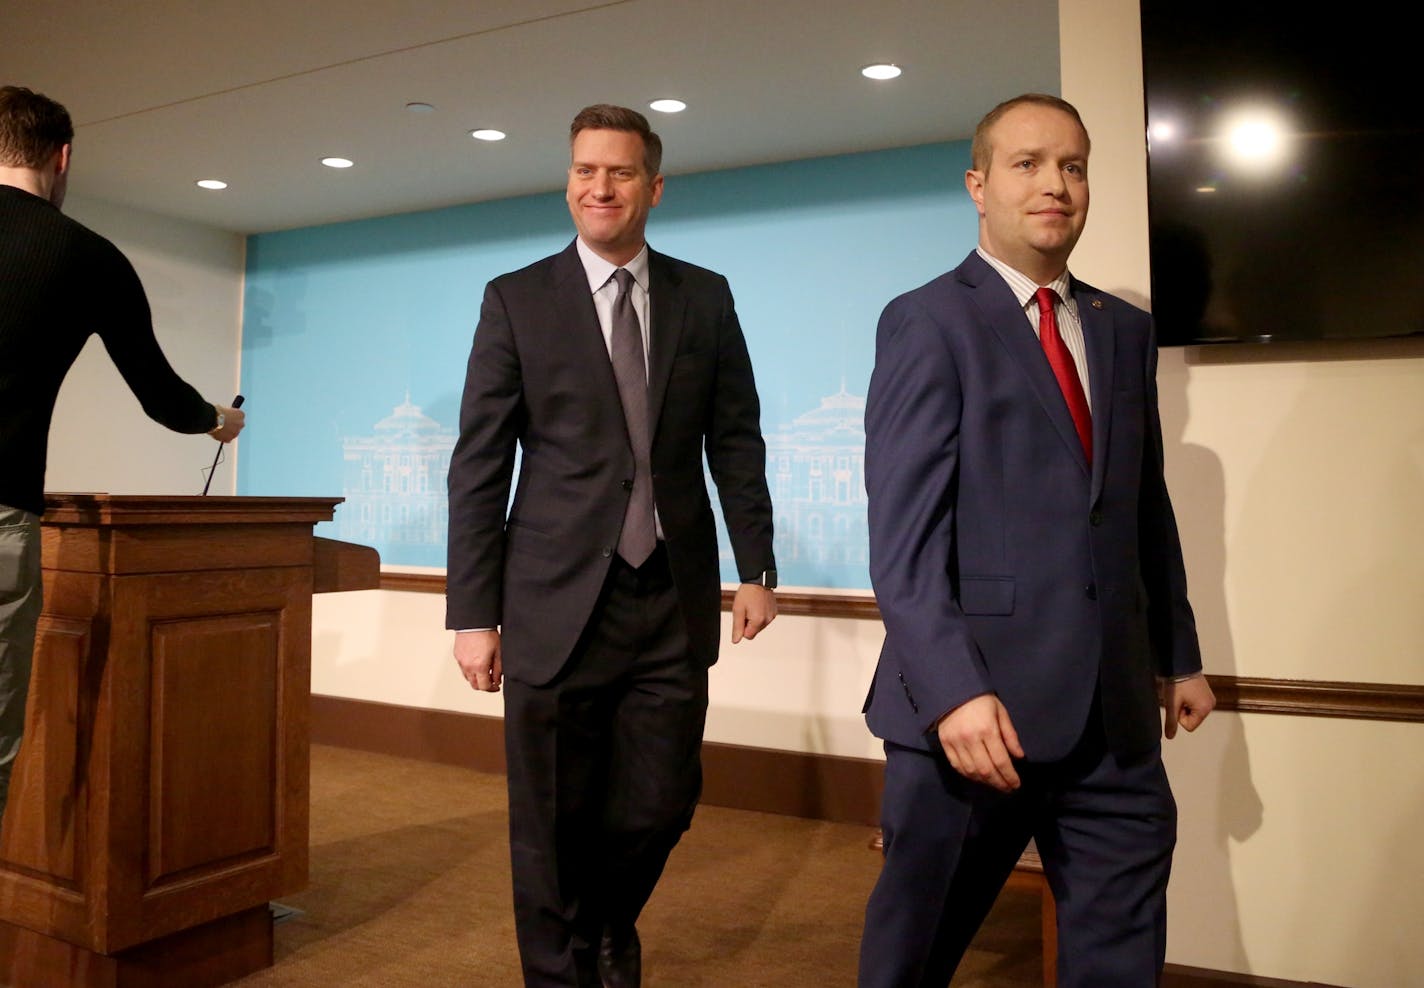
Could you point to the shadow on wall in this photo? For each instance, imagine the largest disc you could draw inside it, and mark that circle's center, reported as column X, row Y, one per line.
column 1232, row 810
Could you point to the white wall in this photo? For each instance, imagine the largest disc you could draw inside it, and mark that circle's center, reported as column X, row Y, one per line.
column 798, row 686
column 100, row 439
column 1296, row 475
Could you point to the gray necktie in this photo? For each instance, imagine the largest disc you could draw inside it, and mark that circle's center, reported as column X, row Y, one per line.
column 639, row 536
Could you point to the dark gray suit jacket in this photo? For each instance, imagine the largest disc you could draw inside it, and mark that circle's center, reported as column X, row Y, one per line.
column 540, row 377
column 1001, row 561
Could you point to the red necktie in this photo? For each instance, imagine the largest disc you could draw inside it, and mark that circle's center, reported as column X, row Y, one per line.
column 1064, row 369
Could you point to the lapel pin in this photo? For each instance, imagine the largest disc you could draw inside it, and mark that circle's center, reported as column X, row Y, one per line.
column 1097, row 303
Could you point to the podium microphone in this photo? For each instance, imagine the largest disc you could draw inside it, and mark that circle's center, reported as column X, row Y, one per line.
column 217, row 457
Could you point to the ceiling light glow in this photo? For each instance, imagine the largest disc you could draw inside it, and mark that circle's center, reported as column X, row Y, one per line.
column 211, row 183
column 488, row 134
column 667, row 105
column 337, row 162
column 881, row 71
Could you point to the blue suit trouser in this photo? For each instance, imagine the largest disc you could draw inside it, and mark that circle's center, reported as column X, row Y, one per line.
column 1105, row 827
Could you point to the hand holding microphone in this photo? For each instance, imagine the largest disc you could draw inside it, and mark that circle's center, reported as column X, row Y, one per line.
column 230, row 423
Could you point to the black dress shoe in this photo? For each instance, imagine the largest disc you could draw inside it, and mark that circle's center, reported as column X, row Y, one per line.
column 620, row 959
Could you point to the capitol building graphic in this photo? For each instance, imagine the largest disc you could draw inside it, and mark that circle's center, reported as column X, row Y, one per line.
column 815, row 466
column 394, row 484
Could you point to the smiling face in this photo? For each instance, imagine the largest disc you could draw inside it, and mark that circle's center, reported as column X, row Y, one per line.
column 610, row 192
column 1033, row 196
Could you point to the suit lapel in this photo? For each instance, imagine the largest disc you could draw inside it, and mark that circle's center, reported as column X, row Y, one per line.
column 1100, row 339
column 1002, row 311
column 667, row 305
column 576, row 323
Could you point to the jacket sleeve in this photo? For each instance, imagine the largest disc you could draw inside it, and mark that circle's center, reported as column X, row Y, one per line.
column 1171, row 624
column 736, row 451
column 912, row 439
column 481, row 469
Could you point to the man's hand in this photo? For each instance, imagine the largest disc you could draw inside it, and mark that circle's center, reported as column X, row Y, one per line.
column 1187, row 702
column 477, row 653
column 978, row 738
column 753, row 608
column 233, row 421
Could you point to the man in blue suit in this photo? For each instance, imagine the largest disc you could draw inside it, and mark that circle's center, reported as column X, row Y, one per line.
column 1027, row 566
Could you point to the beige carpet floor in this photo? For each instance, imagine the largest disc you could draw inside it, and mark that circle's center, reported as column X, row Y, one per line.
column 410, row 887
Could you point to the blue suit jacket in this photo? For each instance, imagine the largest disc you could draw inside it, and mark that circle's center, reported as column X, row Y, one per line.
column 1002, row 561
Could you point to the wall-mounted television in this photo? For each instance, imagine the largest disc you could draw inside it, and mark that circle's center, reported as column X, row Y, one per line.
column 1285, row 171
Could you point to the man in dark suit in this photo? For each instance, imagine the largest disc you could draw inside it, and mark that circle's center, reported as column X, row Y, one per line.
column 1027, row 565
column 595, row 598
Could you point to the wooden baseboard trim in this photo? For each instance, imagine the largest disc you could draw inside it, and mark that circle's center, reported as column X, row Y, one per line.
column 818, row 787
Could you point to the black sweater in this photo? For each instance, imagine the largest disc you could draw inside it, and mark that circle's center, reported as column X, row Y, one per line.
column 59, row 282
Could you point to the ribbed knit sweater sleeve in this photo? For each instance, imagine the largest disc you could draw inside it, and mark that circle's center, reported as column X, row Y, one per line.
column 60, row 282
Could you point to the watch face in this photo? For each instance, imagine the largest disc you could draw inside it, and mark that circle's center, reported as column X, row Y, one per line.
column 768, row 579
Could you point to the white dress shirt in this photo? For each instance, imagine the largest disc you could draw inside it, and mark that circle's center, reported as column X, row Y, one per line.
column 1066, row 311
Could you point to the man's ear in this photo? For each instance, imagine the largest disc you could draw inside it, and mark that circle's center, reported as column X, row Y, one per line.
column 61, row 164
column 974, row 183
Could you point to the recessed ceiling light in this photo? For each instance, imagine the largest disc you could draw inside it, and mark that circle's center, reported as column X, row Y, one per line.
column 667, row 105
column 488, row 134
column 211, row 183
column 337, row 162
column 420, row 108
column 881, row 70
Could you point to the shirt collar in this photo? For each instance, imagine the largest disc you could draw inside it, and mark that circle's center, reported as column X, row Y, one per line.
column 1022, row 285
column 599, row 270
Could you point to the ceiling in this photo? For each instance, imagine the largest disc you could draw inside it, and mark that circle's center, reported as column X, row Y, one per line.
column 166, row 92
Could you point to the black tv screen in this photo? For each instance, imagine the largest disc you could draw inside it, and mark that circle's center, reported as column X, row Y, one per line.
column 1285, row 171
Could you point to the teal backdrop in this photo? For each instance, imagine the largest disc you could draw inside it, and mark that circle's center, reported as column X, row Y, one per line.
column 356, row 335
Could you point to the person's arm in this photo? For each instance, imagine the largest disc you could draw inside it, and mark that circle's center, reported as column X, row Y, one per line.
column 1186, row 695
column 912, row 422
column 736, row 457
column 1170, row 621
column 481, row 469
column 124, row 324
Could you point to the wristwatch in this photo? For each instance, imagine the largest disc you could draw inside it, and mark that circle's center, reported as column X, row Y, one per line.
column 766, row 578
column 222, row 421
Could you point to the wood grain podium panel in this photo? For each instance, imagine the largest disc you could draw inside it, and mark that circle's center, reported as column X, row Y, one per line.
column 215, row 737
column 46, row 845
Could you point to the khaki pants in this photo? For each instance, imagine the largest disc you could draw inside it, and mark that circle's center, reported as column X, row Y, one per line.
column 20, row 592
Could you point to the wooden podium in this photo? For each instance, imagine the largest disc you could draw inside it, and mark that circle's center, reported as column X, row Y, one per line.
column 160, row 799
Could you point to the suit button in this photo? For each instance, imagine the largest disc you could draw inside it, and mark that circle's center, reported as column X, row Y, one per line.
column 627, row 485
column 1095, row 517
column 607, row 552
column 1092, row 591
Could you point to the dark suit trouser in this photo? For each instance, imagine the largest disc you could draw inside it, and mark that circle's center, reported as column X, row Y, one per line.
column 604, row 774
column 1105, row 829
